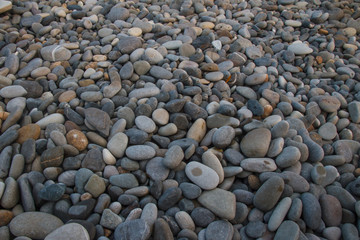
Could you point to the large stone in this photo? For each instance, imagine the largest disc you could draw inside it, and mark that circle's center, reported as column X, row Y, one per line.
column 69, row 231
column 221, row 202
column 269, row 193
column 36, row 225
column 132, row 229
column 55, row 53
column 256, row 143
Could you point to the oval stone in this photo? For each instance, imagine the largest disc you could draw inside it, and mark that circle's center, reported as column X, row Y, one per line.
column 202, row 175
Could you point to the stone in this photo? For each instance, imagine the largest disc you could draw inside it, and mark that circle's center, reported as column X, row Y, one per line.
column 331, row 210
column 77, row 139
column 52, row 192
column 173, row 157
column 160, row 73
column 52, row 157
column 223, row 137
column 202, row 175
column 145, row 123
column 5, row 217
column 95, row 186
column 311, row 210
column 117, row 144
column 69, row 231
column 169, row 198
column 279, row 214
column 118, row 13
column 152, row 56
column 220, row 229
column 221, row 202
column 256, row 143
column 109, row 219
column 132, row 229
column 156, row 170
column 288, row 157
column 162, row 230
column 55, row 53
column 127, row 45
column 258, row 165
column 269, row 193
column 140, row 152
column 98, row 119
column 36, row 225
column 5, row 6
column 124, row 180
column 299, row 48
column 287, row 230
column 354, row 110
column 52, row 118
column 255, row 229
column 13, row 91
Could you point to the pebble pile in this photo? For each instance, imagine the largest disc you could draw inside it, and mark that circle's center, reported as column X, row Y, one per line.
column 184, row 119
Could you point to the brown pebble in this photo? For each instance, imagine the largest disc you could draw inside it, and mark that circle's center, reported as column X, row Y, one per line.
column 85, row 196
column 27, row 132
column 69, row 125
column 5, row 217
column 86, row 82
column 254, row 182
column 67, row 96
column 357, row 172
column 77, row 139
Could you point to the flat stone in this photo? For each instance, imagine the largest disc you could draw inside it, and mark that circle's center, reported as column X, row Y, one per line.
column 13, row 91
column 98, row 119
column 132, row 229
column 331, row 210
column 156, row 169
column 55, row 53
column 202, row 175
column 288, row 157
column 118, row 13
column 161, row 73
column 110, row 220
column 221, row 202
column 52, row 118
column 117, row 144
column 220, row 229
column 269, row 193
column 69, row 231
column 124, row 180
column 256, row 143
column 95, row 186
column 311, row 210
column 140, row 152
column 288, row 230
column 145, row 123
column 5, row 6
column 300, row 48
column 127, row 45
column 36, row 225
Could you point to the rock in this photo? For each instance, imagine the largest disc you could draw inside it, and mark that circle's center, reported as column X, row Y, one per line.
column 117, row 144
column 109, row 219
column 258, row 165
column 287, row 230
column 5, row 6
column 169, row 198
column 132, row 229
column 219, row 229
column 354, row 110
column 125, row 180
column 6, row 217
column 69, row 231
column 311, row 210
column 127, row 45
column 300, row 48
column 221, row 202
column 202, row 175
column 331, row 210
column 77, row 139
column 98, row 119
column 52, row 118
column 269, row 193
column 35, row 225
column 255, row 229
column 13, row 91
column 55, row 53
column 118, row 13
column 328, row 131
column 256, row 143
column 95, row 185
column 279, row 214
column 140, row 152
column 223, row 137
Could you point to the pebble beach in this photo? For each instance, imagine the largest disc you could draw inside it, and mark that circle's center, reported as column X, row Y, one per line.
column 188, row 120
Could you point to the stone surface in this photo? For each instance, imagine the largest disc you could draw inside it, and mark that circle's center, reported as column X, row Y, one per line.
column 69, row 231
column 34, row 224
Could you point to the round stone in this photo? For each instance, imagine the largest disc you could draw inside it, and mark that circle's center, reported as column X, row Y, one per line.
column 202, row 175
column 77, row 139
column 328, row 131
column 256, row 143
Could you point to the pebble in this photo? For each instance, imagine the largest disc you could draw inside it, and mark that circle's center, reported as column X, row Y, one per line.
column 256, row 143
column 34, row 224
column 221, row 202
column 269, row 193
column 202, row 175
column 107, row 112
column 70, row 230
